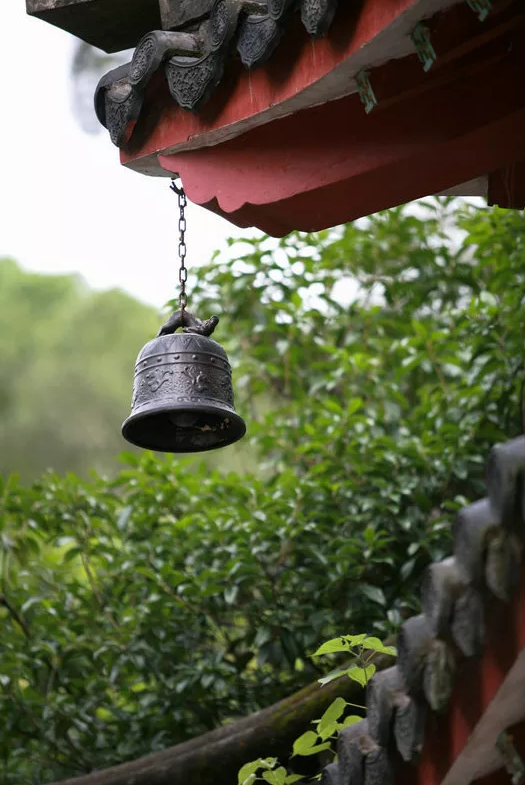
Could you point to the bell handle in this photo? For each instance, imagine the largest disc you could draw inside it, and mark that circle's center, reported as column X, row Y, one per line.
column 189, row 324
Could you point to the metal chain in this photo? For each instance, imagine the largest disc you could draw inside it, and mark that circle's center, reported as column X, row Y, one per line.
column 183, row 272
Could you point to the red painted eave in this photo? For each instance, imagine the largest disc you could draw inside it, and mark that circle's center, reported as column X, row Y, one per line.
column 332, row 164
column 301, row 73
column 462, row 120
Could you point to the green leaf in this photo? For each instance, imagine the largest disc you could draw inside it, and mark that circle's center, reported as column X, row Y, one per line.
column 332, row 714
column 355, row 640
column 247, row 771
column 332, row 646
column 72, row 553
column 316, row 749
column 305, row 743
column 374, row 644
column 129, row 458
column 373, row 593
column 361, row 675
column 351, row 720
column 331, row 677
column 353, row 406
column 277, row 777
column 328, row 731
column 343, row 643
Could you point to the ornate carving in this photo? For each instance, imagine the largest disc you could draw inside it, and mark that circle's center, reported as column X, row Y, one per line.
column 117, row 103
column 259, row 33
column 194, row 62
column 330, row 775
column 143, row 59
column 221, row 24
column 468, row 623
column 409, row 728
column 194, row 382
column 112, row 77
column 196, row 376
column 156, row 47
column 317, row 15
column 191, row 82
column 156, row 378
column 257, row 38
column 122, row 107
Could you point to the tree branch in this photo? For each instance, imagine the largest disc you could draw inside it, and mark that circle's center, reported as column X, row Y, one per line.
column 215, row 757
column 15, row 615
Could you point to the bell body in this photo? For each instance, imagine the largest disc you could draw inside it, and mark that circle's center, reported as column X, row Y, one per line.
column 183, row 396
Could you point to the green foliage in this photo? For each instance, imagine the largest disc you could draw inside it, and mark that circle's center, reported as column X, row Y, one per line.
column 333, row 720
column 67, row 356
column 375, row 365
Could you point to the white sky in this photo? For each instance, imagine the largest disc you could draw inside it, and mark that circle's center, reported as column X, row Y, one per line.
column 66, row 203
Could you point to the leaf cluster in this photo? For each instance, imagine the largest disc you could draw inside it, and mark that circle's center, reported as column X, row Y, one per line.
column 375, row 364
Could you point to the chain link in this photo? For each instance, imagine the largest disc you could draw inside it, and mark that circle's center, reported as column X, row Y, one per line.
column 183, row 272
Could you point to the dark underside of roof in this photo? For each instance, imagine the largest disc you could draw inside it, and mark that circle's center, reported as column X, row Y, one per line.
column 192, row 58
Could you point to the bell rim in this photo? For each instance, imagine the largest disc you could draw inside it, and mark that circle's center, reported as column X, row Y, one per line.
column 239, row 426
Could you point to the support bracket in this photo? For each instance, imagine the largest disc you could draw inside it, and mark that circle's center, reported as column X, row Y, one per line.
column 511, row 758
column 425, row 50
column 481, row 8
column 366, row 92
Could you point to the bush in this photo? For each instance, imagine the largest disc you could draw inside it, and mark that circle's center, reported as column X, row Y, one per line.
column 375, row 364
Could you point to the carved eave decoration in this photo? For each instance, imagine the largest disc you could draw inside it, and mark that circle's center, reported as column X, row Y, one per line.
column 191, row 61
column 304, row 114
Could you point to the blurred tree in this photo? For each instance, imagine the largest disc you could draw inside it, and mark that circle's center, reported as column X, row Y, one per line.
column 67, row 356
column 376, row 364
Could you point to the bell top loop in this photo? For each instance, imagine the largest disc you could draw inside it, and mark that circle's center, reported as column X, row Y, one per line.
column 189, row 324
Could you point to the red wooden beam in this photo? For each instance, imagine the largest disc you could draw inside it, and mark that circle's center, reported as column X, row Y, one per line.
column 242, row 94
column 333, row 163
column 302, row 73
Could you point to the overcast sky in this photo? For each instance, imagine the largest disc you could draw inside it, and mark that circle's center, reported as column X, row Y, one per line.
column 66, row 203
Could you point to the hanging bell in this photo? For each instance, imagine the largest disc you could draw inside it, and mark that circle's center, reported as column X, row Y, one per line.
column 182, row 392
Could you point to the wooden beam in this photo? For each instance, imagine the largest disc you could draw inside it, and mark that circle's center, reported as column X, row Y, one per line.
column 333, row 163
column 307, row 73
column 506, row 187
column 301, row 73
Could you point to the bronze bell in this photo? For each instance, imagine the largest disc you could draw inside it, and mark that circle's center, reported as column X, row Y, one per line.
column 182, row 392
